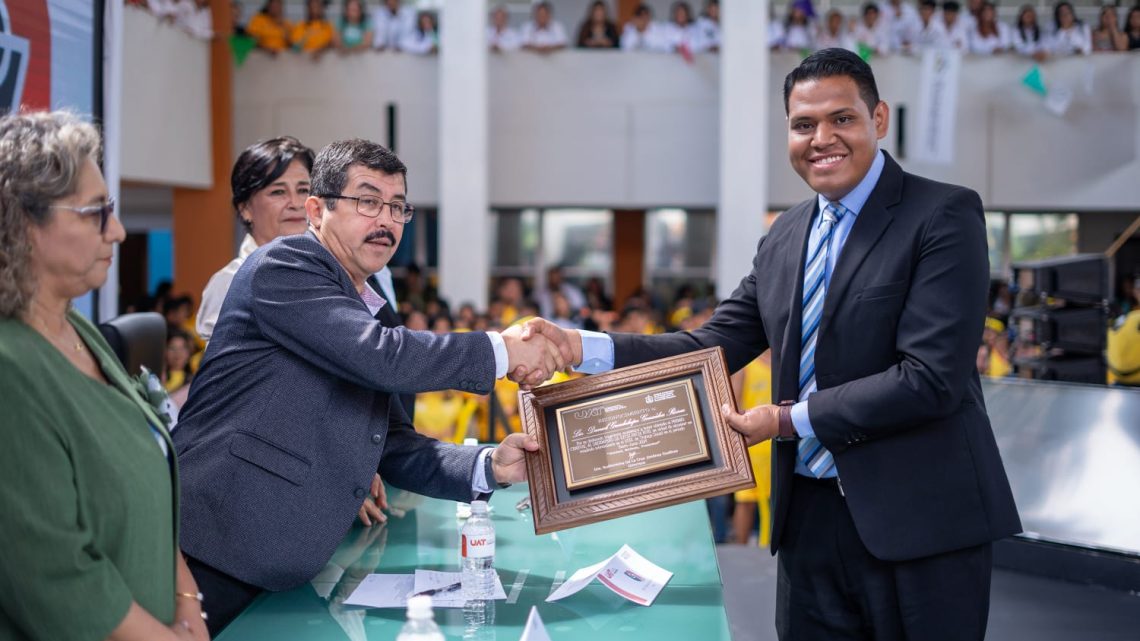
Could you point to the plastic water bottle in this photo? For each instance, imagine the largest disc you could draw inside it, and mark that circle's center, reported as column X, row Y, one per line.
column 421, row 625
column 477, row 554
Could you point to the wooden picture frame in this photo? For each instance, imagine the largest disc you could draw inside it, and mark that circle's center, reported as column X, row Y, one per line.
column 632, row 440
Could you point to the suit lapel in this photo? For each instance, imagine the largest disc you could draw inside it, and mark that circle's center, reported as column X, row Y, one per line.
column 873, row 220
column 787, row 381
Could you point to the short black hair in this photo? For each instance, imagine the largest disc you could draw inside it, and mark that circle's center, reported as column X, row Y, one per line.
column 829, row 63
column 951, row 5
column 869, row 7
column 930, row 4
column 261, row 164
column 643, row 10
column 330, row 169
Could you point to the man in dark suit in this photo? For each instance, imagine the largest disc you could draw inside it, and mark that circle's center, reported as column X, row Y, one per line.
column 887, row 484
column 294, row 408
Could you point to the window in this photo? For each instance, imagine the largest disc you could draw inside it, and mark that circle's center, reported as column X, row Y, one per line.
column 679, row 252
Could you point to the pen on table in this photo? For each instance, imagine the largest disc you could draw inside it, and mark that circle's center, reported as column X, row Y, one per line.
column 447, row 588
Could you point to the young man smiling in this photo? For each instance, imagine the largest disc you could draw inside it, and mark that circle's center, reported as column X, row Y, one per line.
column 887, row 484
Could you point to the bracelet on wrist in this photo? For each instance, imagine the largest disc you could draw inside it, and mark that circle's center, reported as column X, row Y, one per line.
column 197, row 596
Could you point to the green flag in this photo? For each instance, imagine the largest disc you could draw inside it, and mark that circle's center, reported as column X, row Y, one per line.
column 866, row 51
column 805, row 52
column 1034, row 81
column 241, row 46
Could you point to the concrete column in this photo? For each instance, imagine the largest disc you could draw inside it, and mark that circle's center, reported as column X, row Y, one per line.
column 464, row 193
column 744, row 99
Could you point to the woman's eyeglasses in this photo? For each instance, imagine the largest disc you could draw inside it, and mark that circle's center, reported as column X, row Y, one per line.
column 103, row 211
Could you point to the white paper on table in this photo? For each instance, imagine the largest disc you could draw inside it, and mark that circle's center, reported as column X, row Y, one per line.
column 428, row 580
column 534, row 629
column 626, row 572
column 577, row 581
column 382, row 591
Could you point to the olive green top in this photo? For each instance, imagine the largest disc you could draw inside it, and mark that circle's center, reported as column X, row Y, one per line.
column 88, row 506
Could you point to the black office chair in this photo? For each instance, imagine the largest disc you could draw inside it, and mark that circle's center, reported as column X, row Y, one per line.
column 138, row 340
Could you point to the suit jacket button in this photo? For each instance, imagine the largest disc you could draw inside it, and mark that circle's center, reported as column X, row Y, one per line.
column 376, row 438
column 359, row 493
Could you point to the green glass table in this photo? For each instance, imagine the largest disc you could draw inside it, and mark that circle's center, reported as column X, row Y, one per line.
column 424, row 533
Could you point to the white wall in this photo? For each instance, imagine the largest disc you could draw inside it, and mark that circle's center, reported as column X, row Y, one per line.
column 165, row 104
column 634, row 130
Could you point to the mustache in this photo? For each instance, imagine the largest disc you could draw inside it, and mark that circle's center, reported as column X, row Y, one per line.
column 381, row 233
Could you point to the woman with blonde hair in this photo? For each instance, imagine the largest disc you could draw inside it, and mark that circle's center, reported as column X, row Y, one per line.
column 88, row 480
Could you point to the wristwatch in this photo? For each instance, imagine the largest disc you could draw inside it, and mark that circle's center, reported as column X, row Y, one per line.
column 489, row 472
column 787, row 429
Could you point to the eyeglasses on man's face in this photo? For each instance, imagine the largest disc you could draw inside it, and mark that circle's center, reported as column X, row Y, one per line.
column 370, row 206
column 104, row 211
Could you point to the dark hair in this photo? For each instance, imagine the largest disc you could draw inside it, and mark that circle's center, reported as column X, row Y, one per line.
column 261, row 164
column 951, row 5
column 643, row 10
column 1036, row 30
column 173, row 304
column 1057, row 14
column 681, row 4
column 544, row 5
column 1128, row 17
column 869, row 7
column 931, row 4
column 829, row 63
column 309, row 9
column 330, row 169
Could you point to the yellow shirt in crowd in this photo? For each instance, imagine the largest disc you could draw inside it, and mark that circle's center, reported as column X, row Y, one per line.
column 313, row 36
column 269, row 33
column 1123, row 350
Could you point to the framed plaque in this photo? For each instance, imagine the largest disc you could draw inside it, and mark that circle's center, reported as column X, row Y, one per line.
column 631, row 440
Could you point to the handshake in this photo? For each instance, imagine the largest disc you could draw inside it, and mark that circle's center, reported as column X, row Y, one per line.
column 537, row 349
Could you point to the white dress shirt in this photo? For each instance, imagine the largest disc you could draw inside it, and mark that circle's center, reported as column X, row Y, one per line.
column 987, row 45
column 217, row 287
column 652, row 39
column 554, row 35
column 1072, row 41
column 1025, row 44
column 388, row 30
column 419, row 43
column 506, row 40
column 709, row 31
column 676, row 36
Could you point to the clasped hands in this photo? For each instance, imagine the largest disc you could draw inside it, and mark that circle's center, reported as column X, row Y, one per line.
column 537, row 349
column 562, row 348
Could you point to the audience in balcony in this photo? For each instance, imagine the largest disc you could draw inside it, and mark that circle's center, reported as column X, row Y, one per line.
column 1071, row 36
column 1132, row 28
column 989, row 36
column 870, row 33
column 799, row 31
column 269, row 28
column 355, row 32
column 315, row 34
column 1108, row 36
column 930, row 32
column 500, row 35
column 956, row 26
column 708, row 25
column 1026, row 37
column 390, row 21
column 884, row 27
column 424, row 38
column 900, row 21
column 544, row 34
column 642, row 33
column 681, row 33
column 598, row 31
column 833, row 33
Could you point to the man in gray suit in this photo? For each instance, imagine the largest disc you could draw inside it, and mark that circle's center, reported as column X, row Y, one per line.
column 295, row 406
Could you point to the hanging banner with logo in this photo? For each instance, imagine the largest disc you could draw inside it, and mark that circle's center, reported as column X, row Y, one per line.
column 937, row 107
column 47, row 55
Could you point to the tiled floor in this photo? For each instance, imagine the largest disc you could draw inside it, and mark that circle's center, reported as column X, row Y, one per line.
column 1022, row 607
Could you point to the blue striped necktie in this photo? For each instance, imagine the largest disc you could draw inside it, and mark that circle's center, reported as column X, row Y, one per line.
column 813, row 454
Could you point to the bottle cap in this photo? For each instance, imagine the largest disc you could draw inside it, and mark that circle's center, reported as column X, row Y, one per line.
column 478, row 507
column 419, row 606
